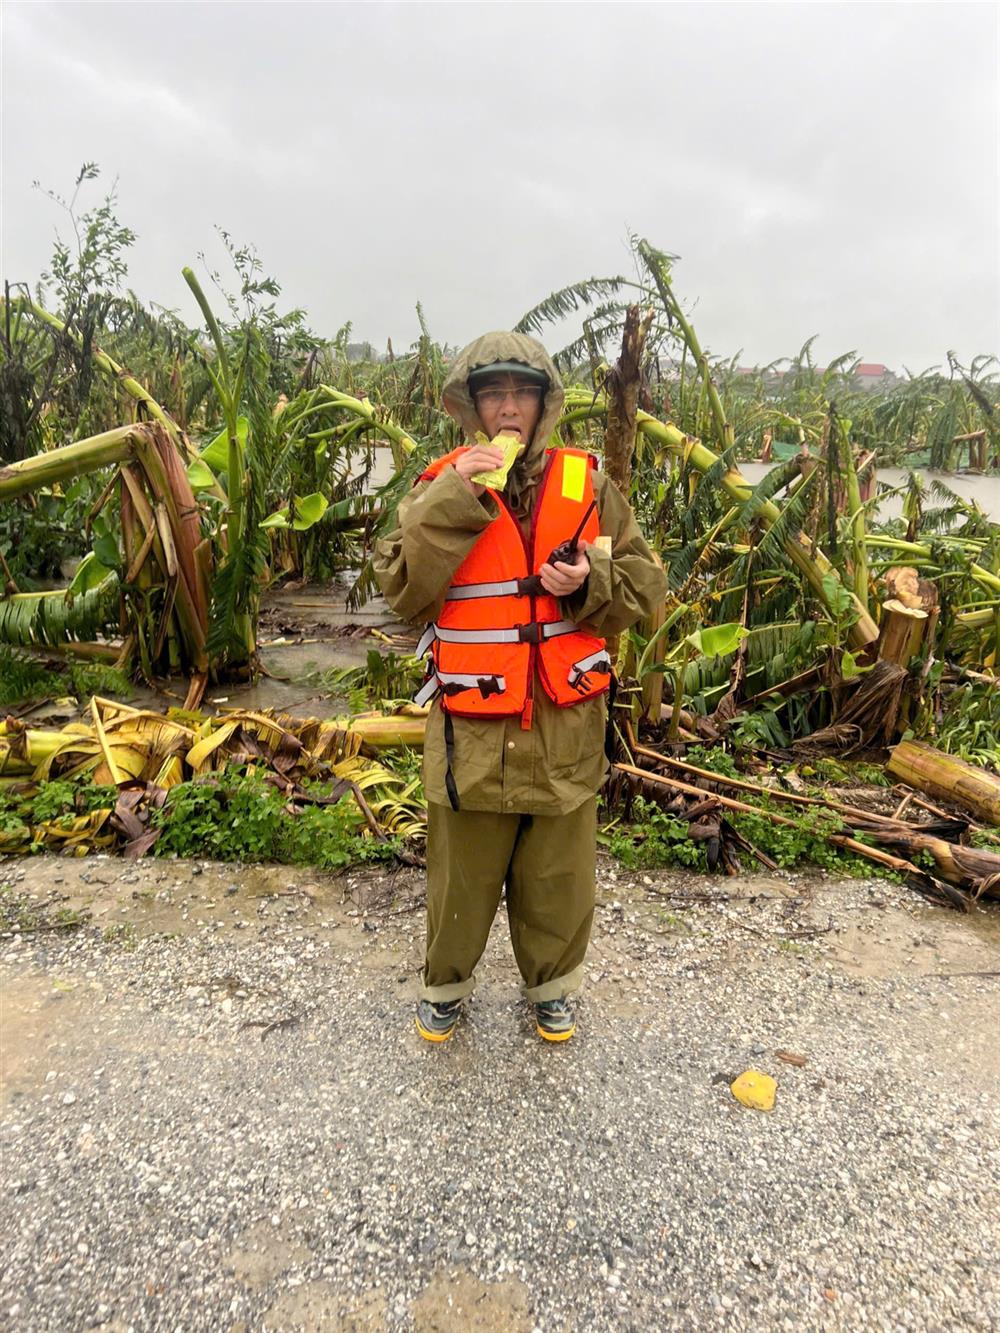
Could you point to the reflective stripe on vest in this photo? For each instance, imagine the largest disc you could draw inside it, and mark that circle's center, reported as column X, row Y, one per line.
column 511, row 588
column 426, row 640
column 532, row 632
column 599, row 662
column 427, row 691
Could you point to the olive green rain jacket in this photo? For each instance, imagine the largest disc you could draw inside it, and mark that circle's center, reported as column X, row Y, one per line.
column 560, row 762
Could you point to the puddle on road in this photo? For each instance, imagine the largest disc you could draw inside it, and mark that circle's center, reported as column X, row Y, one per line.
column 38, row 1015
column 321, row 1307
column 890, row 942
column 454, row 1302
column 262, row 1254
column 187, row 897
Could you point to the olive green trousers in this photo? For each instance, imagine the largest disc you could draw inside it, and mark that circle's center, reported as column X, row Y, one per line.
column 548, row 863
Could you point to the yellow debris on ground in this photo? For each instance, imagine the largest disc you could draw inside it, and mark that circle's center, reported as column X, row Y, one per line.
column 755, row 1090
column 121, row 746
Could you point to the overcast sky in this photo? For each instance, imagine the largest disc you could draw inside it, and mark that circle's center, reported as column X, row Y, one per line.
column 828, row 169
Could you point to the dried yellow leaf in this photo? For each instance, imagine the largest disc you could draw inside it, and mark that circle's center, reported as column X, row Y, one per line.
column 199, row 754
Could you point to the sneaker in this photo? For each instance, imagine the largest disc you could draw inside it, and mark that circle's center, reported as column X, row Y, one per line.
column 554, row 1020
column 436, row 1022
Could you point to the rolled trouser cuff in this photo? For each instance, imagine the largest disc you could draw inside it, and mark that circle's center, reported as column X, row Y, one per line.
column 556, row 989
column 454, row 990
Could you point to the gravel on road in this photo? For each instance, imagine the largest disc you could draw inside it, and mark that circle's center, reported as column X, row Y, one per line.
column 217, row 1115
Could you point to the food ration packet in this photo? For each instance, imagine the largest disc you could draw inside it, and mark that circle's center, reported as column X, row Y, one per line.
column 511, row 446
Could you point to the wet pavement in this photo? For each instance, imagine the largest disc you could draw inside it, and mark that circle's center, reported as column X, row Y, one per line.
column 216, row 1114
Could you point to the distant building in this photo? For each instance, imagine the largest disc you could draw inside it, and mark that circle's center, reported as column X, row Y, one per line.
column 873, row 375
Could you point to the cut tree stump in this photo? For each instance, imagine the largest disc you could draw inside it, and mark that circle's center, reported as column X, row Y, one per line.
column 901, row 634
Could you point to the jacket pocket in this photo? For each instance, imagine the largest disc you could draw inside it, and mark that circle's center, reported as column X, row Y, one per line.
column 577, row 736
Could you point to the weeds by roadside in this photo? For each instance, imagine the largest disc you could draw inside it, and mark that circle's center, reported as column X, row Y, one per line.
column 656, row 840
column 24, row 680
column 122, row 933
column 231, row 816
column 241, row 817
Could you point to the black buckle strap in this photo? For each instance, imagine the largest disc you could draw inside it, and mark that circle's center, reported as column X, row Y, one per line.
column 578, row 674
column 449, row 750
column 529, row 633
column 486, row 685
column 609, row 729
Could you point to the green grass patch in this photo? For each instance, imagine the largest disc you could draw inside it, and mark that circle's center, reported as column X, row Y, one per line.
column 57, row 802
column 240, row 817
column 122, row 933
column 657, row 840
column 23, row 680
column 231, row 816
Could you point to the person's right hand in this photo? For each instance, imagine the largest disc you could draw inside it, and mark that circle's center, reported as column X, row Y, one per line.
column 480, row 458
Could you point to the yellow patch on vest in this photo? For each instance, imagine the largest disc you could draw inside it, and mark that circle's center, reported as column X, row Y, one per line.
column 574, row 477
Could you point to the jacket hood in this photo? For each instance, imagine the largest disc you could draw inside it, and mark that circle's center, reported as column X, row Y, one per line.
column 458, row 403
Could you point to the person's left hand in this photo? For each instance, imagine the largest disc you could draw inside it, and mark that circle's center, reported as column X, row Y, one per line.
column 562, row 580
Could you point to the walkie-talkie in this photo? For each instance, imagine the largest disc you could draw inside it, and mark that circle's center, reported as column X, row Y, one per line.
column 565, row 553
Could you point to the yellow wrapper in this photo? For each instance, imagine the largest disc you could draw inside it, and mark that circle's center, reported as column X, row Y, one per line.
column 755, row 1090
column 496, row 479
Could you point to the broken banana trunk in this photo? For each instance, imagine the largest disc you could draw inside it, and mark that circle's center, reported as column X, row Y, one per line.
column 945, row 776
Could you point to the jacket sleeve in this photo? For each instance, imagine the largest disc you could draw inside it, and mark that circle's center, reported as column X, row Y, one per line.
column 438, row 524
column 626, row 585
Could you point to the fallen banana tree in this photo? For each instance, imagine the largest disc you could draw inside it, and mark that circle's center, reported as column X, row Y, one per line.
column 122, row 743
column 142, row 756
column 252, row 518
column 945, row 776
column 809, row 560
column 144, row 400
column 65, row 619
column 963, row 874
column 162, row 569
column 727, row 545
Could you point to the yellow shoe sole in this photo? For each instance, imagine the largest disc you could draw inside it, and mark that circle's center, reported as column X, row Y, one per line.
column 554, row 1036
column 431, row 1036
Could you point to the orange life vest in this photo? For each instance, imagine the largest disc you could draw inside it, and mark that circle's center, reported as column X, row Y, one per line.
column 492, row 634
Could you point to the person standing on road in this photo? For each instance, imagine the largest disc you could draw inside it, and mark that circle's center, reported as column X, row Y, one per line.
column 519, row 676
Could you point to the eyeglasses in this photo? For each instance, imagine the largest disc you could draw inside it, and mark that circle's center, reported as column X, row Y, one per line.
column 524, row 395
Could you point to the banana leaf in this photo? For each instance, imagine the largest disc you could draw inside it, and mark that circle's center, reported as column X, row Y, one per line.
column 48, row 619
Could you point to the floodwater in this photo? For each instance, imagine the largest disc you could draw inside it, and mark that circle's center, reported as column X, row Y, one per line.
column 985, row 490
column 306, row 632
